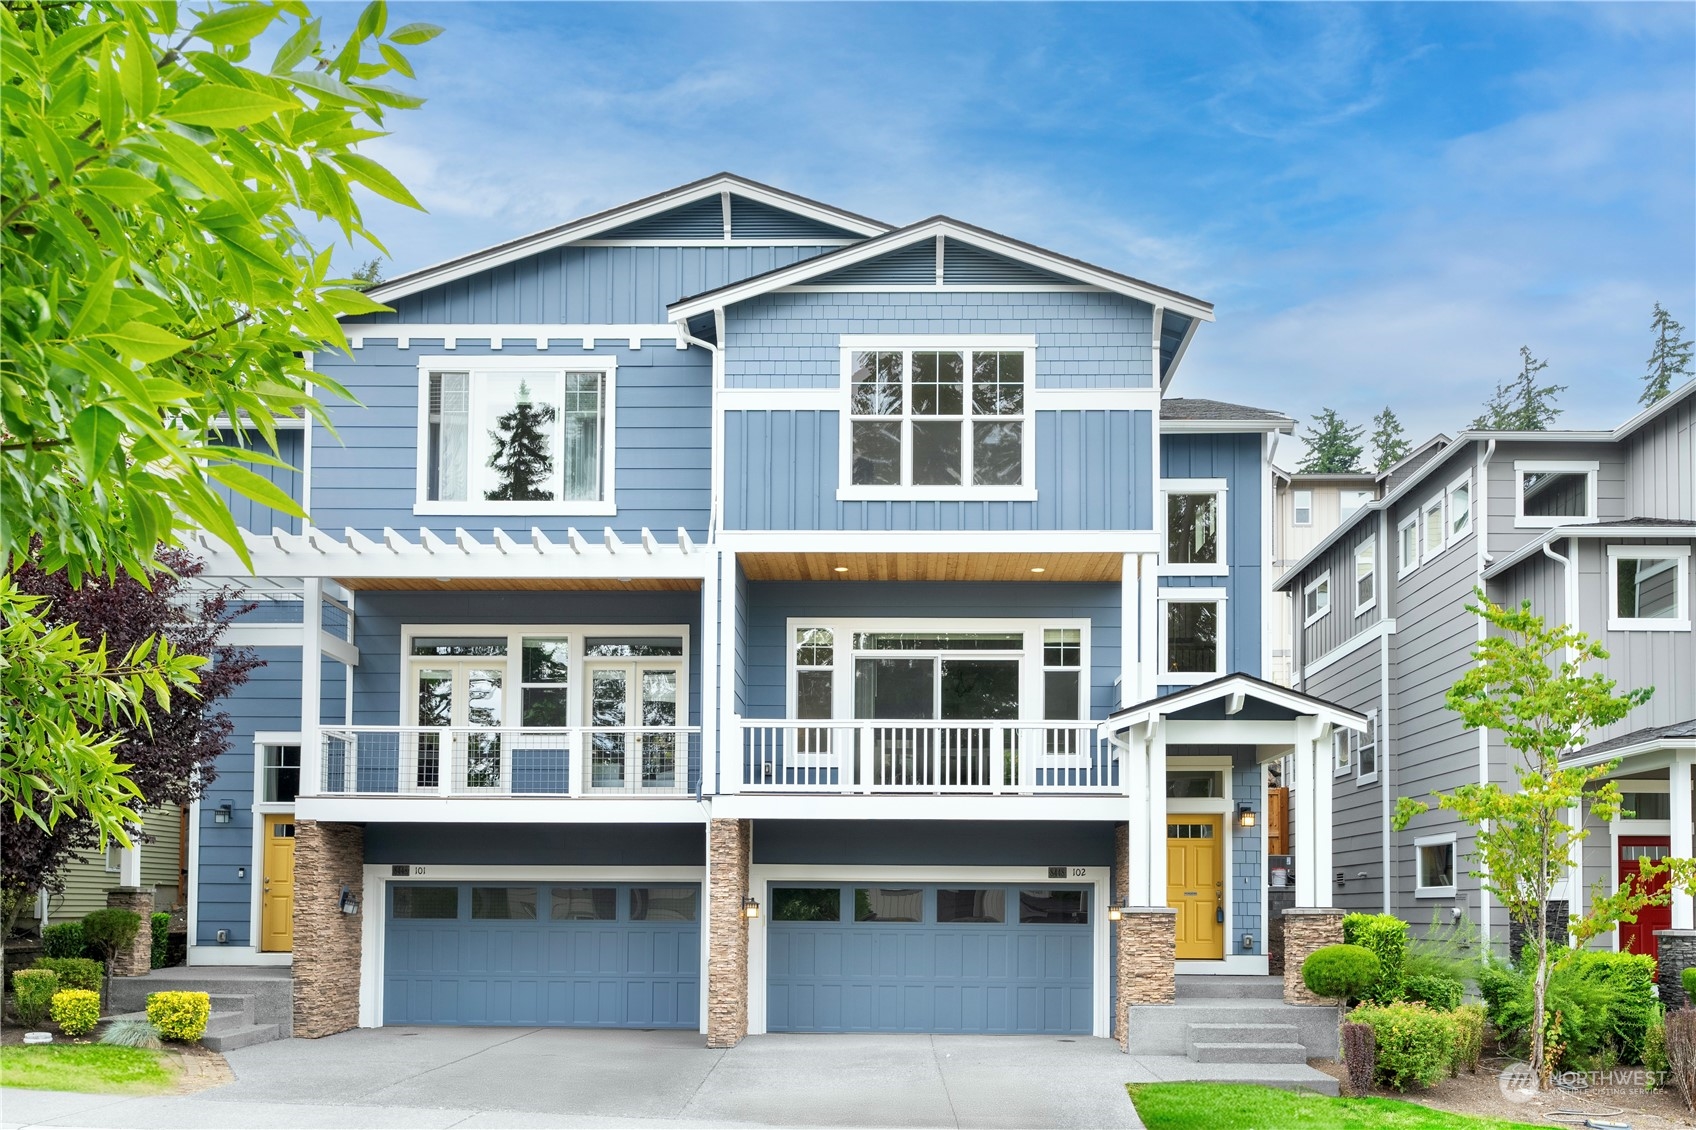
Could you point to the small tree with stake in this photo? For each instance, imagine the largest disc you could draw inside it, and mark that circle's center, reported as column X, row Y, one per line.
column 1528, row 684
column 521, row 457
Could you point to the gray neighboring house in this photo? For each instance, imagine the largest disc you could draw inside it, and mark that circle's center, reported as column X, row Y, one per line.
column 1594, row 528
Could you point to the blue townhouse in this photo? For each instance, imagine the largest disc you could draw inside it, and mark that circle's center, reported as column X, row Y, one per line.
column 731, row 613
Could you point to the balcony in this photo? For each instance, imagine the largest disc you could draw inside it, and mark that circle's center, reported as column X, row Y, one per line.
column 488, row 762
column 963, row 758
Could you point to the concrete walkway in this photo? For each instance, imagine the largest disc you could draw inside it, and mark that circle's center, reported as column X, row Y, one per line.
column 486, row 1077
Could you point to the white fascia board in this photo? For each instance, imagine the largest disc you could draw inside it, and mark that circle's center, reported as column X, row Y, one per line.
column 791, row 806
column 939, row 541
column 540, row 334
column 548, row 238
column 1654, row 753
column 1178, row 356
column 684, row 809
column 1204, row 426
column 1670, row 400
column 1224, row 688
column 872, row 248
column 1534, row 547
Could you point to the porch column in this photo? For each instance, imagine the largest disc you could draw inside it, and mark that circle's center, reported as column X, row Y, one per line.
column 328, row 942
column 1135, row 770
column 1324, row 820
column 710, row 743
column 1683, row 845
column 1154, row 866
column 730, row 760
column 311, row 689
column 1304, row 797
column 729, row 855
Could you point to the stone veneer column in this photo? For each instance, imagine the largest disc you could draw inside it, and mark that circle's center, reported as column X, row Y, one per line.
column 327, row 857
column 1677, row 953
column 138, row 959
column 1307, row 928
column 729, row 855
column 1148, row 941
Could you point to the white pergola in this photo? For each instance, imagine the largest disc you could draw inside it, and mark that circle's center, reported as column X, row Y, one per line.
column 1236, row 710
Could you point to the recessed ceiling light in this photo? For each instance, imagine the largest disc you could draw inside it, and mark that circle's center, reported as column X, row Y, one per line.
column 1038, row 569
column 839, row 568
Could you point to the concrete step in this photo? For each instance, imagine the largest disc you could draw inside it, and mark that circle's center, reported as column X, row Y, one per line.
column 220, row 1022
column 1289, row 1076
column 243, row 1037
column 1244, row 1033
column 1196, row 986
column 1248, row 1053
column 1164, row 1029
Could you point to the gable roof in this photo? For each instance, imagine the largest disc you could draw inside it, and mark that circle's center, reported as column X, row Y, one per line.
column 1231, row 686
column 1179, row 413
column 944, row 226
column 610, row 219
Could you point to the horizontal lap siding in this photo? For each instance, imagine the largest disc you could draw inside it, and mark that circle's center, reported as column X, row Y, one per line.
column 1236, row 459
column 1084, row 340
column 1358, row 821
column 771, row 604
column 589, row 285
column 782, row 472
column 368, row 477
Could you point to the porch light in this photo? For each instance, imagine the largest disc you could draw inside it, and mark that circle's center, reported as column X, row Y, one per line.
column 349, row 904
column 750, row 908
column 1245, row 816
column 1115, row 913
column 224, row 813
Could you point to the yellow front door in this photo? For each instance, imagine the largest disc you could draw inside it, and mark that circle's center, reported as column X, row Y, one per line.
column 276, row 903
column 1195, row 884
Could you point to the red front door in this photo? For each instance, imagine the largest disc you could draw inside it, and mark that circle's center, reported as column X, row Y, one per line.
column 1639, row 936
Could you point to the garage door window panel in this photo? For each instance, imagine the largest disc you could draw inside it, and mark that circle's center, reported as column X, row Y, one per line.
column 584, row 904
column 888, row 904
column 1053, row 907
column 662, row 904
column 806, row 904
column 988, row 904
column 426, row 902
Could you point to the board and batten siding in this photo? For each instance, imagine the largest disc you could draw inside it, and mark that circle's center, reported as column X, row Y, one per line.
column 290, row 449
column 1235, row 458
column 1660, row 466
column 1505, row 537
column 1084, row 339
column 782, row 471
column 588, row 285
column 771, row 604
column 1344, row 621
column 367, row 476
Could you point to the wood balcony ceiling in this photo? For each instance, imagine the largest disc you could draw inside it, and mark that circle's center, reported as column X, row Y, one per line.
column 1090, row 567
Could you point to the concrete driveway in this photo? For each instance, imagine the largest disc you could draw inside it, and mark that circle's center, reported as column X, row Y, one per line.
column 550, row 1077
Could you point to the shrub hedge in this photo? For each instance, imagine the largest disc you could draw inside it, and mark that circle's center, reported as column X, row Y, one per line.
column 161, row 939
column 1415, row 1042
column 179, row 1016
column 1386, row 936
column 74, row 972
column 76, row 1011
column 1439, row 992
column 63, row 940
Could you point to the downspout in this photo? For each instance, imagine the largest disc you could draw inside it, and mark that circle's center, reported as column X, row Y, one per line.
column 716, row 454
column 1386, row 782
column 1481, row 538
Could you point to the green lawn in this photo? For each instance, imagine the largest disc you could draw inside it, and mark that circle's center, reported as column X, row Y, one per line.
column 1235, row 1106
column 97, row 1068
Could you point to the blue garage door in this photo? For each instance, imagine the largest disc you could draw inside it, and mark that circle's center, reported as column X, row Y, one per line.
column 944, row 958
column 590, row 955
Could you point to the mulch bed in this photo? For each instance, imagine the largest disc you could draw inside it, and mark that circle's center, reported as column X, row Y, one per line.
column 1481, row 1094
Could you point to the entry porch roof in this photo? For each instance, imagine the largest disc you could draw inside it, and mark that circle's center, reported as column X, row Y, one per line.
column 1247, row 710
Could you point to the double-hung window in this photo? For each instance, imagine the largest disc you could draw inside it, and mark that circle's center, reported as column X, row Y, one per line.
column 1192, row 630
column 1195, row 526
column 1365, row 576
column 1302, row 505
column 531, row 435
column 1366, row 750
column 1649, row 588
column 1316, row 599
column 933, row 419
column 1407, row 545
column 1432, row 529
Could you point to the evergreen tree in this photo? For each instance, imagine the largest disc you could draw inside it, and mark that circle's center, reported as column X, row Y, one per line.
column 369, row 274
column 1332, row 446
column 1670, row 360
column 1521, row 405
column 521, row 457
column 1389, row 444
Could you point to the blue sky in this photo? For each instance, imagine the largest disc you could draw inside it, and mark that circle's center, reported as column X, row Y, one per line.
column 1383, row 201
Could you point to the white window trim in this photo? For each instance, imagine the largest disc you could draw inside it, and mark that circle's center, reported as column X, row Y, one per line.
column 1342, row 753
column 1377, row 750
column 1295, row 508
column 1219, row 489
column 1323, row 580
column 842, row 656
column 1450, row 534
column 1427, row 551
column 1681, row 582
column 1166, row 678
column 514, row 663
column 1405, row 564
column 1364, row 606
column 1521, row 467
column 559, row 362
column 1447, row 892
column 847, row 491
column 262, row 740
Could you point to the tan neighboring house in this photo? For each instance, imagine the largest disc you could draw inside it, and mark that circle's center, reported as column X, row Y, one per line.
column 1305, row 508
column 163, row 865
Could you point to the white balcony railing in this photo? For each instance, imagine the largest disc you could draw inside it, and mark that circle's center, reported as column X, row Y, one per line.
column 476, row 761
column 921, row 757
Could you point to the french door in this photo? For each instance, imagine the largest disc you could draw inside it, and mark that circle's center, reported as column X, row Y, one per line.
column 467, row 695
column 632, row 712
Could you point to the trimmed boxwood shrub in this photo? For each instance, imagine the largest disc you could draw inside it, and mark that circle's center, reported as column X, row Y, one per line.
column 32, row 995
column 110, row 930
column 161, row 939
column 76, row 1011
column 1415, row 1042
column 1340, row 972
column 63, row 940
column 74, row 972
column 1386, row 936
column 179, row 1016
column 1443, row 993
